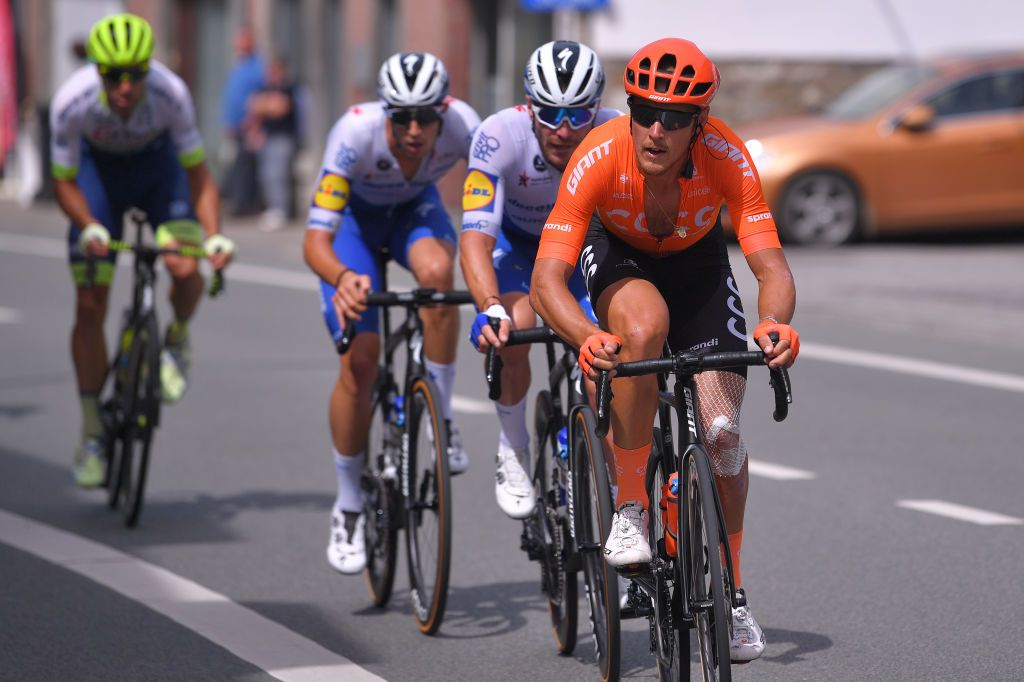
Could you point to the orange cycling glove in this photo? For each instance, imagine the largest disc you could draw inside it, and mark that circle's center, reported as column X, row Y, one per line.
column 596, row 341
column 785, row 332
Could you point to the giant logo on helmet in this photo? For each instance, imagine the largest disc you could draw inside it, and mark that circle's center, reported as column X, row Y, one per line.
column 332, row 192
column 478, row 191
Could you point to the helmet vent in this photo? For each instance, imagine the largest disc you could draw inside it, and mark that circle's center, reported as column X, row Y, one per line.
column 644, row 82
column 661, row 84
column 688, row 72
column 645, row 64
column 630, row 76
column 701, row 88
column 681, row 86
column 667, row 64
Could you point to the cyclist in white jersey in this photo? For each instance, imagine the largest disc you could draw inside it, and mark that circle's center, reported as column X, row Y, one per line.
column 124, row 135
column 515, row 167
column 377, row 190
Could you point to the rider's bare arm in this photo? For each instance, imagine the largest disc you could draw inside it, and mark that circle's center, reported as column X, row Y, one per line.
column 550, row 297
column 205, row 197
column 72, row 202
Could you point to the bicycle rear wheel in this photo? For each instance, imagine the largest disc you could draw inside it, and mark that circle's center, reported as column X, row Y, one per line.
column 141, row 414
column 428, row 515
column 709, row 604
column 551, row 529
column 380, row 492
column 593, row 510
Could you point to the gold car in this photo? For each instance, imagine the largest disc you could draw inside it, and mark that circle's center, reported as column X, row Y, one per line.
column 933, row 145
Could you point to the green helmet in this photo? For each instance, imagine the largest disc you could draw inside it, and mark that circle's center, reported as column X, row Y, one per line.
column 120, row 40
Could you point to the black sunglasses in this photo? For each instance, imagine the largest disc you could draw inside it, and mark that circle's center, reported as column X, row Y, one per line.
column 406, row 115
column 670, row 118
column 116, row 75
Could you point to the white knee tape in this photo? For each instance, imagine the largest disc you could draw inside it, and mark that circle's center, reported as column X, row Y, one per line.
column 725, row 447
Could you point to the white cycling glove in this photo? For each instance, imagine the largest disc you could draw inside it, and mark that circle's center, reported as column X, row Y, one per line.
column 218, row 243
column 92, row 232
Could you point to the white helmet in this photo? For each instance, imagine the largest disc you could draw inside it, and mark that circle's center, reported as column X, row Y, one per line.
column 564, row 73
column 412, row 79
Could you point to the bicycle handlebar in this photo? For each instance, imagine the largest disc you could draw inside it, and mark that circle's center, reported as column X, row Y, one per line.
column 217, row 283
column 518, row 337
column 417, row 298
column 693, row 363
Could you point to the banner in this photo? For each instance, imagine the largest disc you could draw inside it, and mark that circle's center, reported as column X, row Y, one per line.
column 8, row 82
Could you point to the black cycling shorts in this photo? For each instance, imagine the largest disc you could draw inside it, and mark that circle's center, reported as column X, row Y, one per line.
column 704, row 305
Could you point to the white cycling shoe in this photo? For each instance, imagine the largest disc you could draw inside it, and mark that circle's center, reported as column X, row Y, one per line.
column 748, row 640
column 512, row 486
column 458, row 458
column 627, row 544
column 346, row 548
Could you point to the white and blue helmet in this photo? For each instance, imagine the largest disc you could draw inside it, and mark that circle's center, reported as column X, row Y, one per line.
column 564, row 73
column 412, row 79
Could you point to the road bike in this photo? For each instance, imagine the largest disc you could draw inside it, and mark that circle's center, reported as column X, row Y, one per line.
column 573, row 514
column 691, row 585
column 131, row 410
column 405, row 480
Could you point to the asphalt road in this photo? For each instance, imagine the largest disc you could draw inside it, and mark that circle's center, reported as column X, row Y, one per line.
column 910, row 388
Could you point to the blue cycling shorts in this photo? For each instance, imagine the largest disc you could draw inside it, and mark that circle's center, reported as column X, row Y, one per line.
column 365, row 230
column 152, row 180
column 513, row 264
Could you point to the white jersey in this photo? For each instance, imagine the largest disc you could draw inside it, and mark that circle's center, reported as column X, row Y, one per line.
column 515, row 185
column 358, row 161
column 79, row 112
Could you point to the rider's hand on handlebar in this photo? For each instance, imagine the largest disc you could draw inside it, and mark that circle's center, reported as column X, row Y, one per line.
column 783, row 353
column 482, row 336
column 93, row 240
column 219, row 249
column 350, row 295
column 599, row 352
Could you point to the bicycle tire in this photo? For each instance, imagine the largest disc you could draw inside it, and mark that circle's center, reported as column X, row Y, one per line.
column 551, row 524
column 427, row 494
column 380, row 494
column 141, row 418
column 670, row 635
column 709, row 604
column 593, row 510
column 114, row 410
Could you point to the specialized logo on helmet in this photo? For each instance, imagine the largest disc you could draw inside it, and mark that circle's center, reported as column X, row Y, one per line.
column 564, row 56
column 588, row 160
column 478, row 191
column 410, row 62
column 331, row 193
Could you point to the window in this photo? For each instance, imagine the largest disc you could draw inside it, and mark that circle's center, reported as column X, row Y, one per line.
column 1000, row 91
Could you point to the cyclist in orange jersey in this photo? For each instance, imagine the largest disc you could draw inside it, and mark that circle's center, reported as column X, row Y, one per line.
column 639, row 209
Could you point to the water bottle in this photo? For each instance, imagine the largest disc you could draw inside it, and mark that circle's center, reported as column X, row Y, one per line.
column 669, row 512
column 563, row 444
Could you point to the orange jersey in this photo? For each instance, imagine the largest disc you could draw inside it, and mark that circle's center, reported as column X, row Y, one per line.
column 603, row 177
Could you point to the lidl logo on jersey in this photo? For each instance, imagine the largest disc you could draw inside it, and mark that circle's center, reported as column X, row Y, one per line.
column 331, row 192
column 478, row 191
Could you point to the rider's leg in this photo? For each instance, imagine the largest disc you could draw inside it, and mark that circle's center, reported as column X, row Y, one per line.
column 89, row 354
column 432, row 262
column 635, row 311
column 515, row 375
column 349, row 410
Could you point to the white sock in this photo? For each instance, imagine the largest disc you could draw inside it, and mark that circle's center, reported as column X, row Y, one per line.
column 444, row 377
column 92, row 423
column 350, row 493
column 514, row 433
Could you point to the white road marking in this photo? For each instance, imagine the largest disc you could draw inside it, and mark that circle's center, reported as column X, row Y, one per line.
column 778, row 472
column 924, row 368
column 273, row 648
column 471, row 405
column 960, row 512
column 10, row 316
column 295, row 279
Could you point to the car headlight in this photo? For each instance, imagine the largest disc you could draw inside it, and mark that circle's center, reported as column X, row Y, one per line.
column 759, row 154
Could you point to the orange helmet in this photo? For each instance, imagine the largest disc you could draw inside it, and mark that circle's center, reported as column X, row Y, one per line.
column 673, row 71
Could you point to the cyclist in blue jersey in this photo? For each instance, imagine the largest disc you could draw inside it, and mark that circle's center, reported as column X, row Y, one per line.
column 124, row 135
column 377, row 189
column 515, row 168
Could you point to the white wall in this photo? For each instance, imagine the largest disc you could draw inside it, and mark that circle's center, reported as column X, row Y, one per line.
column 72, row 20
column 812, row 29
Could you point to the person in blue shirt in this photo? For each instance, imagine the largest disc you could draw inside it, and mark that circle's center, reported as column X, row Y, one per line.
column 241, row 186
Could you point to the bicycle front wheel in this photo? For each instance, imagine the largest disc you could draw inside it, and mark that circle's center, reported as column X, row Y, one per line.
column 700, row 552
column 380, row 492
column 593, row 511
column 428, row 515
column 141, row 393
column 550, row 527
column 670, row 635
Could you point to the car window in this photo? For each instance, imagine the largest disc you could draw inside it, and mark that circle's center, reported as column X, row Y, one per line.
column 999, row 91
column 877, row 90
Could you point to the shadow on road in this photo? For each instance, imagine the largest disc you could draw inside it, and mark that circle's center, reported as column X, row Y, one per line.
column 791, row 646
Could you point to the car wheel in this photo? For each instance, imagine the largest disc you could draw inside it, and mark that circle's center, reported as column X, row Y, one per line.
column 820, row 208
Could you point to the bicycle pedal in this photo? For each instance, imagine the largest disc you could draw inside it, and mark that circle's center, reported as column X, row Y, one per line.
column 632, row 570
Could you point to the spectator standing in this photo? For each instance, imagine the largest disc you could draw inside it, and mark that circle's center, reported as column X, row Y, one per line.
column 241, row 187
column 276, row 136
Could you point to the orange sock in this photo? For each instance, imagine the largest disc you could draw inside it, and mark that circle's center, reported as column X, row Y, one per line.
column 631, row 471
column 735, row 540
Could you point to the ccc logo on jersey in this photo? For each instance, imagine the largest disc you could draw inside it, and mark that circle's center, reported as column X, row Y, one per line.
column 478, row 191
column 331, row 192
